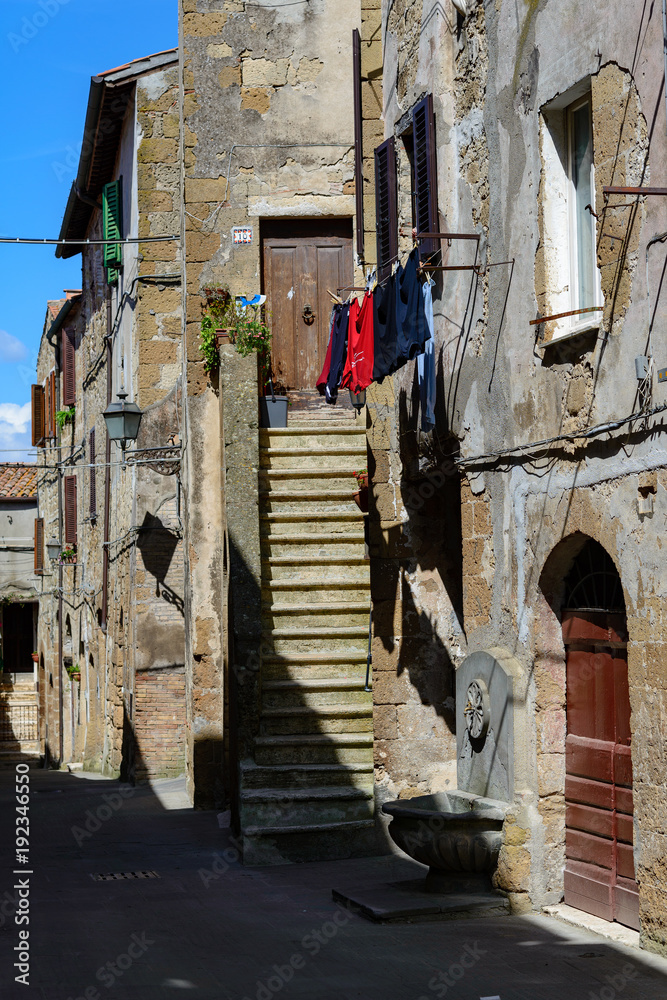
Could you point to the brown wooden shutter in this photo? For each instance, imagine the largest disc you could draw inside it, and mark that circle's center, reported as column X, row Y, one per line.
column 386, row 210
column 358, row 143
column 37, row 400
column 70, row 510
column 93, row 477
column 426, row 179
column 39, row 545
column 51, row 428
column 69, row 369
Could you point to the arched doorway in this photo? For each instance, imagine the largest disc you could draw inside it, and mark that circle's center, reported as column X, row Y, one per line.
column 599, row 867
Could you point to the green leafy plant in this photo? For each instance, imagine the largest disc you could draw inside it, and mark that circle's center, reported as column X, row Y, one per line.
column 73, row 669
column 67, row 555
column 362, row 478
column 65, row 416
column 247, row 330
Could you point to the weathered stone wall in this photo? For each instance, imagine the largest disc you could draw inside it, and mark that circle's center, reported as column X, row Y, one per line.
column 159, row 725
column 500, row 83
column 268, row 132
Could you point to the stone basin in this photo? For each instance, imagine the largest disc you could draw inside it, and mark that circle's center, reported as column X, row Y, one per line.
column 457, row 834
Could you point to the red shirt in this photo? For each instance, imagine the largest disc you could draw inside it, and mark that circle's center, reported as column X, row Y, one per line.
column 358, row 373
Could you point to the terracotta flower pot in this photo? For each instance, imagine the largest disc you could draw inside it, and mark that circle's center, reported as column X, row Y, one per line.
column 35, row 657
column 75, row 676
column 361, row 499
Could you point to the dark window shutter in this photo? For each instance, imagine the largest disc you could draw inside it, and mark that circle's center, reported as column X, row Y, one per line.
column 69, row 368
column 37, row 400
column 52, row 411
column 426, row 180
column 39, row 545
column 386, row 217
column 112, row 222
column 358, row 142
column 93, row 477
column 70, row 510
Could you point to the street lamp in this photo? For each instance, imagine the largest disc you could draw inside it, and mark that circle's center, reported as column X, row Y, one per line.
column 122, row 420
column 53, row 549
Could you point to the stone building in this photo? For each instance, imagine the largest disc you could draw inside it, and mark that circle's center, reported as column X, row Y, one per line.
column 18, row 609
column 278, row 602
column 111, row 622
column 518, row 541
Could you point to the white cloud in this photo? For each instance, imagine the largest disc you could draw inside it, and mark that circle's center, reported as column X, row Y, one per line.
column 15, row 436
column 11, row 349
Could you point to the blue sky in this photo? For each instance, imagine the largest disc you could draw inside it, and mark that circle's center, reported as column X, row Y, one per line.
column 49, row 49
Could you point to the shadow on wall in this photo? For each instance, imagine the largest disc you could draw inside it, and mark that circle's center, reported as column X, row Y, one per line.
column 157, row 544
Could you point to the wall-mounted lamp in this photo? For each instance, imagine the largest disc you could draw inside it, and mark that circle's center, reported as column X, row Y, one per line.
column 122, row 420
column 53, row 549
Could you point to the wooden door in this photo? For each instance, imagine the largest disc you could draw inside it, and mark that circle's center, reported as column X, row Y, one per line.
column 300, row 265
column 599, row 869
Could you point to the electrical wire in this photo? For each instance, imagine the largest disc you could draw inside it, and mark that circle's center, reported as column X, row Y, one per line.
column 86, row 243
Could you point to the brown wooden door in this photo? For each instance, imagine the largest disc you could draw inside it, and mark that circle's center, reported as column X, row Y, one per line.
column 599, row 869
column 298, row 270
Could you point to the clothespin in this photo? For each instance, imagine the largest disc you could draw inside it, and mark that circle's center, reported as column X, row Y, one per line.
column 336, row 298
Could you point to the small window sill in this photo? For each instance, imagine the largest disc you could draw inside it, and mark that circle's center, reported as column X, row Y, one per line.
column 587, row 327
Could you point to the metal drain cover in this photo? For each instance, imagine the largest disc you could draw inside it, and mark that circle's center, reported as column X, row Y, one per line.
column 113, row 876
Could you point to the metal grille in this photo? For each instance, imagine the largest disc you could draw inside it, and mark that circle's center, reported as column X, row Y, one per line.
column 18, row 723
column 593, row 583
column 113, row 876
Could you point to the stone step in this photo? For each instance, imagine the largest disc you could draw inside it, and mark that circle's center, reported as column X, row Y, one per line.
column 301, row 479
column 298, row 590
column 308, row 437
column 315, row 693
column 316, row 544
column 336, row 748
column 334, row 520
column 310, row 842
column 313, row 459
column 323, row 719
column 298, row 665
column 321, row 568
column 269, row 808
column 316, row 618
column 306, row 776
column 309, row 504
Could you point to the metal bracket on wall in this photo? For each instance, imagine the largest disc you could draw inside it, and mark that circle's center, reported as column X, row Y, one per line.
column 607, row 190
column 166, row 461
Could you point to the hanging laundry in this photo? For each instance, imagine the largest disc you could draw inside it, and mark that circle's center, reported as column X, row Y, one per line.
column 410, row 316
column 358, row 373
column 321, row 383
column 385, row 332
column 338, row 352
column 426, row 363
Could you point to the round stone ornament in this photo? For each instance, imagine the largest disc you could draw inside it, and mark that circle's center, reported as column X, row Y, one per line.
column 477, row 710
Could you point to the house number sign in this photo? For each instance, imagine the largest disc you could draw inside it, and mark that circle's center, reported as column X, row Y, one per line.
column 242, row 234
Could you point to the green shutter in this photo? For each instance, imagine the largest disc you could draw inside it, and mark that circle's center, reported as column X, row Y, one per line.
column 112, row 214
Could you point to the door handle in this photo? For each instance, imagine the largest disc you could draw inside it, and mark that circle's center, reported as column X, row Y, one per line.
column 308, row 314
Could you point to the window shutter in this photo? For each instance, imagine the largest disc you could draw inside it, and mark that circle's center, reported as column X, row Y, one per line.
column 69, row 368
column 70, row 510
column 358, row 143
column 112, row 219
column 47, row 408
column 386, row 217
column 426, row 181
column 93, row 478
column 52, row 412
column 37, row 400
column 39, row 545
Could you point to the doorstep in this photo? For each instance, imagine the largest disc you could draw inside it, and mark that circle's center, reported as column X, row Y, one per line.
column 605, row 928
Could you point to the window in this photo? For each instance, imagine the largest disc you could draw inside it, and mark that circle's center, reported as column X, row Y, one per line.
column 68, row 361
column 37, row 410
column 584, row 270
column 425, row 196
column 70, row 510
column 386, row 213
column 567, row 275
column 39, row 546
column 112, row 223
column 93, row 478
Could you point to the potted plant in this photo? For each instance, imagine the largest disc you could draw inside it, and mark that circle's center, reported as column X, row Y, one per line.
column 35, row 657
column 73, row 671
column 68, row 555
column 361, row 495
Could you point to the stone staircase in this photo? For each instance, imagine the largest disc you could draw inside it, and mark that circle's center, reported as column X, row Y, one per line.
column 308, row 794
column 19, row 733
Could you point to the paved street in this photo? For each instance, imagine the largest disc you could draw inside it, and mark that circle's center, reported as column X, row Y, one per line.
column 208, row 928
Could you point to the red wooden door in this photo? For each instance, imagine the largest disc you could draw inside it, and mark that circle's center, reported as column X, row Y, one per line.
column 298, row 272
column 599, row 869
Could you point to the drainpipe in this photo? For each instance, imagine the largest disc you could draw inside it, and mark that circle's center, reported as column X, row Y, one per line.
column 60, row 576
column 107, row 475
column 664, row 44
